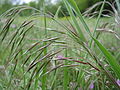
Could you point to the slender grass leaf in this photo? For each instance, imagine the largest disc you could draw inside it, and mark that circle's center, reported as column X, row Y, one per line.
column 81, row 35
column 77, row 11
column 111, row 59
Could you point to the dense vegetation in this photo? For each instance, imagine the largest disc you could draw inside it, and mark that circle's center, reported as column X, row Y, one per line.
column 50, row 7
column 40, row 51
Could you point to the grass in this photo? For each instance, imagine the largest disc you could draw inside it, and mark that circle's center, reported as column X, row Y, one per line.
column 38, row 34
column 61, row 58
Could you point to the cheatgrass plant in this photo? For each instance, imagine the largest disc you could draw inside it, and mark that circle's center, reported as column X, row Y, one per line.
column 24, row 55
column 44, row 52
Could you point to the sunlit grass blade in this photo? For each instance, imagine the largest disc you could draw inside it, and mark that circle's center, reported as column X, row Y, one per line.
column 57, row 12
column 74, row 6
column 77, row 27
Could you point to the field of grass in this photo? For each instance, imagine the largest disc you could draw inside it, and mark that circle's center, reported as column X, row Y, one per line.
column 55, row 78
column 42, row 53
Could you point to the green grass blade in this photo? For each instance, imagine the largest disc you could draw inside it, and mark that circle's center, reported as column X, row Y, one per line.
column 57, row 12
column 66, row 75
column 77, row 11
column 97, row 22
column 81, row 35
column 111, row 60
column 98, row 18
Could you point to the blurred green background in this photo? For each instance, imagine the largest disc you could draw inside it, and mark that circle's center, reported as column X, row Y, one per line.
column 51, row 5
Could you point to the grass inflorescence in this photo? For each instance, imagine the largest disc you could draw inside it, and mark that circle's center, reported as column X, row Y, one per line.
column 42, row 51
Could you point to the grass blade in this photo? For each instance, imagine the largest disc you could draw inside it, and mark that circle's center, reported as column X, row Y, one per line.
column 111, row 60
column 77, row 27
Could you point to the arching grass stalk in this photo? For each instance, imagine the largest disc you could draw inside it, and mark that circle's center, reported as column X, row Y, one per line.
column 71, row 5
